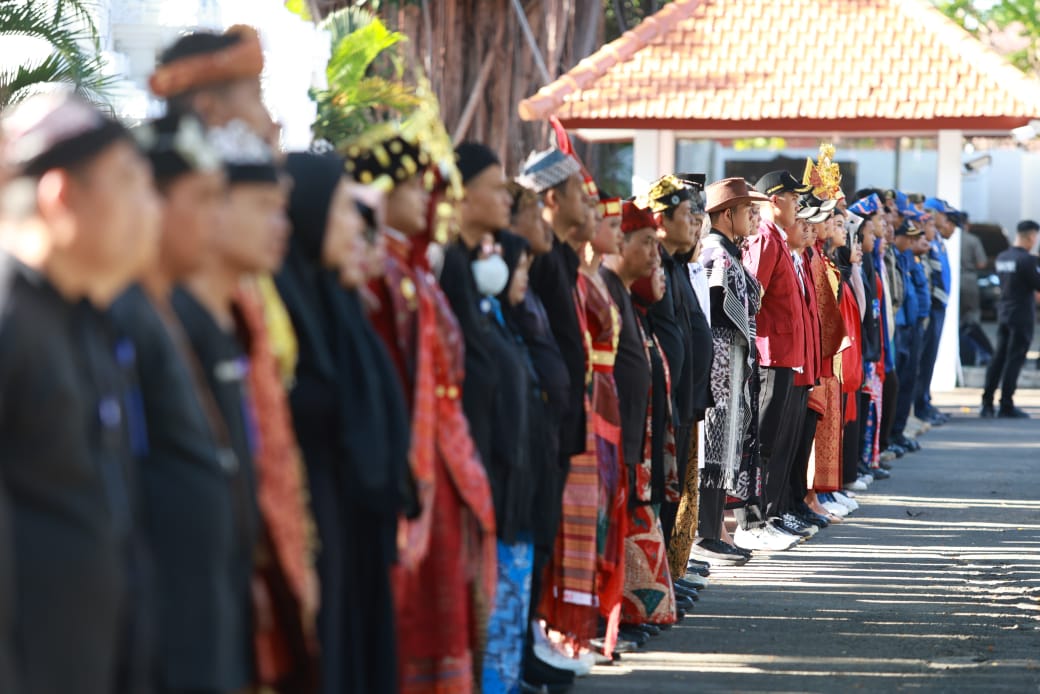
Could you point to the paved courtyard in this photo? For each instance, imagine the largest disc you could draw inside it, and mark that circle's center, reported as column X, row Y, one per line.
column 933, row 585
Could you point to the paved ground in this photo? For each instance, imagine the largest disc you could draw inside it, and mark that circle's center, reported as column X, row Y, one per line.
column 934, row 585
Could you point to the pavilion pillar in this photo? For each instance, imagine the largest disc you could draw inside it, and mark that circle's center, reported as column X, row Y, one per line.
column 948, row 187
column 653, row 155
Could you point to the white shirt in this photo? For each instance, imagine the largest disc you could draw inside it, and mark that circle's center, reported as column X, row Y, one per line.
column 699, row 281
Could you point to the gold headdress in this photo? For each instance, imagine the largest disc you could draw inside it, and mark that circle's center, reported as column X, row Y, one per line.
column 824, row 176
column 666, row 193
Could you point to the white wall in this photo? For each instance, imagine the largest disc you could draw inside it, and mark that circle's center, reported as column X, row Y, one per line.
column 134, row 31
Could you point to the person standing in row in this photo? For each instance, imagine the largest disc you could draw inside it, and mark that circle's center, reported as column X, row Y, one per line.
column 1019, row 273
column 78, row 222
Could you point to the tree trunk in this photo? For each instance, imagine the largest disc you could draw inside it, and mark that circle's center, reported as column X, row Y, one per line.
column 457, row 38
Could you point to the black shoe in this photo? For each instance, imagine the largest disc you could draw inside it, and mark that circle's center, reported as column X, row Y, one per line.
column 879, row 473
column 687, row 585
column 701, row 568
column 719, row 551
column 538, row 672
column 785, row 525
column 1012, row 413
column 531, row 688
column 683, row 603
column 810, row 516
column 814, row 519
column 907, row 443
column 686, row 593
column 898, row 451
column 651, row 629
column 636, row 636
column 987, row 411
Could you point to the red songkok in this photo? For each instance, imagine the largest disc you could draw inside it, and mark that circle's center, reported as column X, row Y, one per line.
column 634, row 218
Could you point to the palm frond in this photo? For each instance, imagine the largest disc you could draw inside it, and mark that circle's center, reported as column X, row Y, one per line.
column 78, row 9
column 70, row 61
column 64, row 34
column 364, row 77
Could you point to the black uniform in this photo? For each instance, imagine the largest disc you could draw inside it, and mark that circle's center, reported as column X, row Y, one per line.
column 631, row 373
column 221, row 358
column 1016, row 313
column 199, row 523
column 65, row 463
column 685, row 336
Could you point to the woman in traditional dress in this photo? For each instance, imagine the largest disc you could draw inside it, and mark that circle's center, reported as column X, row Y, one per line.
column 649, row 592
column 352, row 427
column 602, row 322
column 826, row 399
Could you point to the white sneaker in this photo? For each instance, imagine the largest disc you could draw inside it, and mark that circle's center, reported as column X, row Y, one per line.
column 841, row 498
column 546, row 652
column 835, row 508
column 763, row 538
column 858, row 486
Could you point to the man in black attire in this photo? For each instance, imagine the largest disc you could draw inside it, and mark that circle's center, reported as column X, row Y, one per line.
column 553, row 278
column 77, row 223
column 482, row 372
column 191, row 474
column 679, row 323
column 1016, row 312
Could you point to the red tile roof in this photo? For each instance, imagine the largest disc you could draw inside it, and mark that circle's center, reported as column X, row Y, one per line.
column 792, row 65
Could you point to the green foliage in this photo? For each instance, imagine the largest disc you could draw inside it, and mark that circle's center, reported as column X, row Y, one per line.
column 982, row 17
column 365, row 77
column 775, row 144
column 300, row 8
column 622, row 15
column 69, row 32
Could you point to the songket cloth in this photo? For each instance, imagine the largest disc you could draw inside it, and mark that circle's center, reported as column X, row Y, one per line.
column 602, row 324
column 444, row 583
column 685, row 530
column 649, row 595
column 507, row 625
column 825, row 462
column 284, row 644
column 571, row 601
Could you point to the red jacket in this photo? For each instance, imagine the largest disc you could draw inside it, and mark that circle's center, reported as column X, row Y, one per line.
column 811, row 320
column 781, row 333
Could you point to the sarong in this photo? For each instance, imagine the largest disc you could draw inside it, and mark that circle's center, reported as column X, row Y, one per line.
column 649, row 595
column 508, row 623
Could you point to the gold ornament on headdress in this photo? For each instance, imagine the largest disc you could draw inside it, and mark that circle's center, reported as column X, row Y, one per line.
column 665, row 193
column 824, row 176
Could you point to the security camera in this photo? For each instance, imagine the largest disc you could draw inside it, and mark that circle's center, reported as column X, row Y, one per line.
column 978, row 163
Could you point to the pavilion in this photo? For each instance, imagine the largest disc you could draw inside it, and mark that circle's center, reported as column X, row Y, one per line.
column 713, row 69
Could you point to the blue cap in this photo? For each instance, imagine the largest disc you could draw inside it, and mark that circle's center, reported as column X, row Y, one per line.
column 939, row 205
column 866, row 206
column 904, row 207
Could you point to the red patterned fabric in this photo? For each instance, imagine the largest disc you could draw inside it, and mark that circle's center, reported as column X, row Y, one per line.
column 444, row 584
column 649, row 594
column 281, row 496
column 851, row 358
column 825, row 465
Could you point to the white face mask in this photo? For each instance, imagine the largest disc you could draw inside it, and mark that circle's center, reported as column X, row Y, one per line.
column 491, row 275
